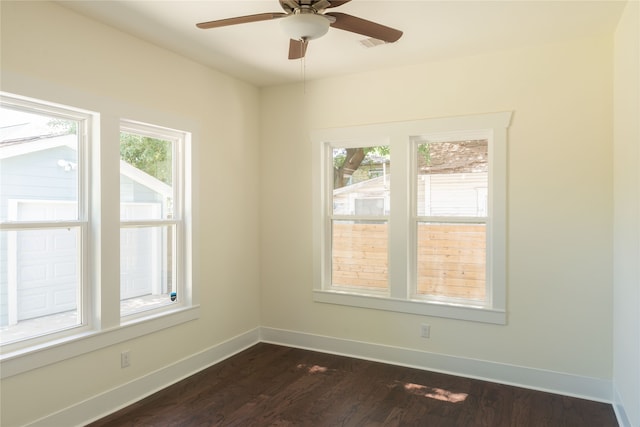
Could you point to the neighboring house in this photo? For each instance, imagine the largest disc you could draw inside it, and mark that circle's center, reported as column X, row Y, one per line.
column 40, row 280
column 452, row 181
column 370, row 197
column 437, row 193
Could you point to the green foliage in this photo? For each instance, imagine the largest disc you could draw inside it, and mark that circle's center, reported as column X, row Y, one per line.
column 150, row 155
column 380, row 150
column 425, row 151
column 340, row 154
column 360, row 161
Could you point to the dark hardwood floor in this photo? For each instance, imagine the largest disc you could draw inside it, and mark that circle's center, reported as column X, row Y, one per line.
column 270, row 385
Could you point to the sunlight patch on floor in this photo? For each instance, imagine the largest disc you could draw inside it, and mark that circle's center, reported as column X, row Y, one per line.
column 315, row 369
column 435, row 393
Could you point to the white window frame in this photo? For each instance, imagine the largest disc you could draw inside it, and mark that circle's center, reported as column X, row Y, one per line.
column 482, row 134
column 402, row 220
column 178, row 140
column 84, row 120
column 102, row 325
column 331, row 217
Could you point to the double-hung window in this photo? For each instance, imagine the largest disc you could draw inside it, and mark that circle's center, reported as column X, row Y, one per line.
column 424, row 236
column 359, row 216
column 151, row 215
column 63, row 238
column 44, row 220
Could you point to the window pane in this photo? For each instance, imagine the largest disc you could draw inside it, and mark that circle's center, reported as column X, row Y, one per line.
column 38, row 161
column 359, row 254
column 147, row 268
column 361, row 180
column 39, row 282
column 146, row 177
column 452, row 178
column 451, row 260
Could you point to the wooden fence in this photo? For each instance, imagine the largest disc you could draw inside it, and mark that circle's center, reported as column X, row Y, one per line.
column 451, row 258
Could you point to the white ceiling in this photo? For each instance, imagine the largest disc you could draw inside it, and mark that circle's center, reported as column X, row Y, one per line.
column 257, row 52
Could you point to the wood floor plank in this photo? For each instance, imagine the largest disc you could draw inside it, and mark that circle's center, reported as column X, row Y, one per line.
column 270, row 385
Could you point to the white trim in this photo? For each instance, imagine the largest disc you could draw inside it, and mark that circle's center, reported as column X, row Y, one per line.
column 597, row 389
column 101, row 267
column 422, row 308
column 402, row 220
column 120, row 397
column 177, row 192
column 53, row 351
column 98, row 406
column 619, row 409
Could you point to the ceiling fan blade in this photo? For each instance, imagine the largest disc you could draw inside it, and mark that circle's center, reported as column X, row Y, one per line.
column 240, row 20
column 297, row 48
column 366, row 28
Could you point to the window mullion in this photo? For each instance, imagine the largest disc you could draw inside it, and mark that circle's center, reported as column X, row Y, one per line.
column 106, row 214
column 399, row 218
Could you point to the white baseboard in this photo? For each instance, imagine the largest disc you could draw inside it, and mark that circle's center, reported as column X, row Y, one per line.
column 618, row 407
column 110, row 401
column 596, row 389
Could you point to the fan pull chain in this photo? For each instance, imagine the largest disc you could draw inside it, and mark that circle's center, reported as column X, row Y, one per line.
column 303, row 65
column 304, row 74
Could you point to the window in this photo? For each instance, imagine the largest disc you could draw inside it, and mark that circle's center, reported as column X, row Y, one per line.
column 43, row 214
column 359, row 218
column 450, row 218
column 58, row 215
column 431, row 240
column 151, row 201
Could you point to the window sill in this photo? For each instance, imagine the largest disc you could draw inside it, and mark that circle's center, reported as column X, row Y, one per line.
column 423, row 308
column 29, row 358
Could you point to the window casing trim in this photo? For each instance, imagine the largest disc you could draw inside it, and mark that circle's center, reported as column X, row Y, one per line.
column 102, row 326
column 399, row 136
column 179, row 141
column 430, row 308
column 85, row 121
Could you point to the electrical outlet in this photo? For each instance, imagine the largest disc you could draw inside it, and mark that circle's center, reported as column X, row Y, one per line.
column 125, row 359
column 425, row 330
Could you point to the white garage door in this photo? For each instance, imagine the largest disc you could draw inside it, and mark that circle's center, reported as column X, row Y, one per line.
column 140, row 252
column 44, row 276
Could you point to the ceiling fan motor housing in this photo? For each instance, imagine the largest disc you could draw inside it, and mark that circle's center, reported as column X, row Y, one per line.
column 305, row 24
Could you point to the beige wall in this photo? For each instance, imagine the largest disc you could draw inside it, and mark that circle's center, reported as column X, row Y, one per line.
column 626, row 347
column 559, row 201
column 48, row 51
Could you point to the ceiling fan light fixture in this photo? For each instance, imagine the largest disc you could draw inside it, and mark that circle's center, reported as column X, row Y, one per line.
column 305, row 26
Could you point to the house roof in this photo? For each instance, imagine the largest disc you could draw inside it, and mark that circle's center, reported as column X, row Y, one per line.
column 18, row 143
column 372, row 185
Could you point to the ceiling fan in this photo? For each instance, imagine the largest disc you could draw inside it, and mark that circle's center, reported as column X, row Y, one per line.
column 305, row 20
